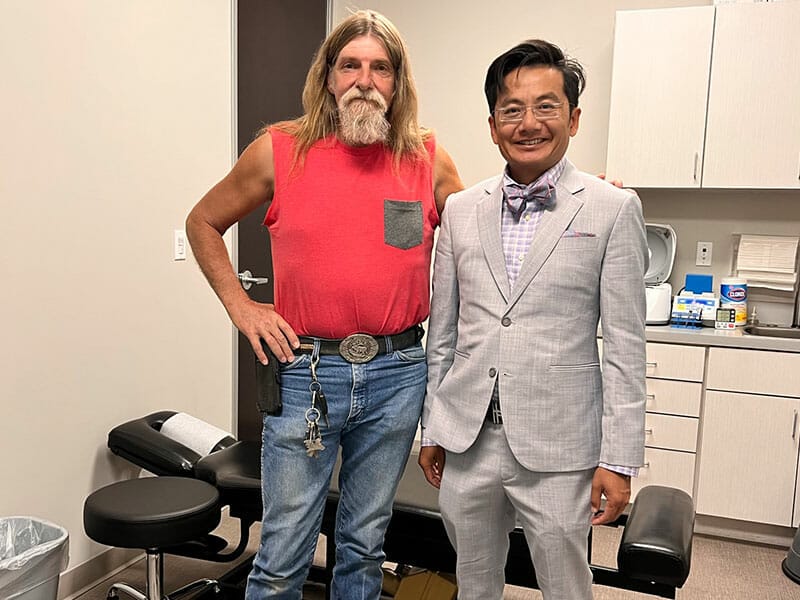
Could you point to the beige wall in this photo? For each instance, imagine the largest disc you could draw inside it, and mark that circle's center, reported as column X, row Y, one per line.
column 451, row 49
column 115, row 118
column 452, row 43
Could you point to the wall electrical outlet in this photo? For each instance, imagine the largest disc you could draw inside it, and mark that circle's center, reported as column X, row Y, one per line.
column 179, row 245
column 703, row 254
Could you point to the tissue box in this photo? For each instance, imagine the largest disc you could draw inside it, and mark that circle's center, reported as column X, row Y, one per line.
column 426, row 585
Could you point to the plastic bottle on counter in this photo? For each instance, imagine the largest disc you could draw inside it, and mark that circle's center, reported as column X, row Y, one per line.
column 733, row 294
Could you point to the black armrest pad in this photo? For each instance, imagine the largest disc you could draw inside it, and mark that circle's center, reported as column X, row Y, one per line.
column 141, row 442
column 237, row 467
column 657, row 541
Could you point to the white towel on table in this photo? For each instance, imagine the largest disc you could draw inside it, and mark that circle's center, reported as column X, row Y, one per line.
column 193, row 433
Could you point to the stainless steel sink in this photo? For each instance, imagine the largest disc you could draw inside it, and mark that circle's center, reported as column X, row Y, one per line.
column 773, row 331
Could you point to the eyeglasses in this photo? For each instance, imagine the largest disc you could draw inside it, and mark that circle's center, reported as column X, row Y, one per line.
column 543, row 112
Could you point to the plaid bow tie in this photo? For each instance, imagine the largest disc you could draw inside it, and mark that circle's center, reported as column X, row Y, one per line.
column 517, row 196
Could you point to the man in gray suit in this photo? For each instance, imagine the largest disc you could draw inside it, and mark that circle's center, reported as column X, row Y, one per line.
column 534, row 428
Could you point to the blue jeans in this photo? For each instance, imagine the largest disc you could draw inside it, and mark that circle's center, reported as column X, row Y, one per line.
column 373, row 411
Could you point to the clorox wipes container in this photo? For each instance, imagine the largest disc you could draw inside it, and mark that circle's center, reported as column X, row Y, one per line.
column 733, row 294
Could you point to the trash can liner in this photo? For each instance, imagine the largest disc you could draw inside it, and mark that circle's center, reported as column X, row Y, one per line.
column 32, row 551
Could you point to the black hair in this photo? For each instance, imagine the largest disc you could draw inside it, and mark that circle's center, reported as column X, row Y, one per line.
column 534, row 53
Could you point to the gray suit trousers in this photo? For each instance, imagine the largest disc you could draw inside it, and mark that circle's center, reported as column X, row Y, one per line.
column 485, row 493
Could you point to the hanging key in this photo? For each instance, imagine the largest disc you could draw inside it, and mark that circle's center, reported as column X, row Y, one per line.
column 313, row 441
column 313, row 438
column 315, row 448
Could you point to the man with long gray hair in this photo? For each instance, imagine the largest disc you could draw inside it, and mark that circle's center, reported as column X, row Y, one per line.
column 355, row 188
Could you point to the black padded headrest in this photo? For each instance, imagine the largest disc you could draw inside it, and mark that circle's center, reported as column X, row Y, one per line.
column 141, row 442
column 656, row 544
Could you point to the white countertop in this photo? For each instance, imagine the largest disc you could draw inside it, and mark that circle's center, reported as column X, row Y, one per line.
column 708, row 336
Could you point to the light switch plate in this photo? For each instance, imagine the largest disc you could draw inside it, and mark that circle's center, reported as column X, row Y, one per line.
column 179, row 245
column 703, row 258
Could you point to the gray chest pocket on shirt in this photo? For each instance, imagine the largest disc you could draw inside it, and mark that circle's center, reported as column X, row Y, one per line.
column 402, row 223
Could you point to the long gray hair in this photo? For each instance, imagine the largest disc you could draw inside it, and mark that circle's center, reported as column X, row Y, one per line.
column 406, row 137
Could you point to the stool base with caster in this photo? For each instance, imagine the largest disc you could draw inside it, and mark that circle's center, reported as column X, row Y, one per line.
column 153, row 514
column 154, row 589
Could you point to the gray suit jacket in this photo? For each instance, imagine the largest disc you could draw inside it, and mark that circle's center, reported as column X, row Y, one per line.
column 561, row 410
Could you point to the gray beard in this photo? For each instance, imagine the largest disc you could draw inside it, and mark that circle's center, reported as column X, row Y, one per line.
column 362, row 123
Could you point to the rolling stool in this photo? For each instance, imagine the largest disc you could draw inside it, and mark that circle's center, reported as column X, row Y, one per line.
column 152, row 514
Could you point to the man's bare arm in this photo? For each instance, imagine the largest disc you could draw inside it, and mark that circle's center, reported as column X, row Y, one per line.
column 446, row 180
column 249, row 184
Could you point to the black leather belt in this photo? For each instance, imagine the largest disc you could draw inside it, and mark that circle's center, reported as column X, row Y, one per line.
column 361, row 347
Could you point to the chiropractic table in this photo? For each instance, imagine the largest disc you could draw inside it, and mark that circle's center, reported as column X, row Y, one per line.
column 654, row 554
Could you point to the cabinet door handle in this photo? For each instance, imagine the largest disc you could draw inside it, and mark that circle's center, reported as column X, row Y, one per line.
column 653, row 364
column 646, row 465
column 794, row 426
column 648, row 431
column 696, row 158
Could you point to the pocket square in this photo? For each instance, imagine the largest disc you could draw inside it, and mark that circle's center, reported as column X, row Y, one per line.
column 573, row 233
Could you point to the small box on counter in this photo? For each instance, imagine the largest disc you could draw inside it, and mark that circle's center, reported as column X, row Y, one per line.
column 695, row 305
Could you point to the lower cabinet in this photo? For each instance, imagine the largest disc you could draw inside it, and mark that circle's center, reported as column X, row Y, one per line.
column 723, row 425
column 665, row 467
column 748, row 458
column 674, row 388
column 750, row 437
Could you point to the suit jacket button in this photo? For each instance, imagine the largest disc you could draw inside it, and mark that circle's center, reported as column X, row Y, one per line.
column 506, row 321
column 492, row 372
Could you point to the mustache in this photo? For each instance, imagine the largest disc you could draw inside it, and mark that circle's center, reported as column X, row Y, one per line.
column 372, row 96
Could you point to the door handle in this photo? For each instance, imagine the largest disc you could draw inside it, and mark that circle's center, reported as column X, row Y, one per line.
column 248, row 281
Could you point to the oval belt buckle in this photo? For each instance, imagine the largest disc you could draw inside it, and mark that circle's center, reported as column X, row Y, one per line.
column 358, row 348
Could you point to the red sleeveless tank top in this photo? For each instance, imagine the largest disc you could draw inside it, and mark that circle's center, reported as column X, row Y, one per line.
column 351, row 238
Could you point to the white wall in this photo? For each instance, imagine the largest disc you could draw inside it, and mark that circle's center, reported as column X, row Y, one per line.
column 115, row 118
column 451, row 46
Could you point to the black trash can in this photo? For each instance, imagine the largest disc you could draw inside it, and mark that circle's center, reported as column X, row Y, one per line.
column 791, row 564
column 33, row 552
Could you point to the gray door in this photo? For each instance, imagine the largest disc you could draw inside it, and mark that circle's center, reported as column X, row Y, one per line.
column 276, row 43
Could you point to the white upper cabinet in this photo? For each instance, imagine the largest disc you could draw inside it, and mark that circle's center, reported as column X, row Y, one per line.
column 658, row 96
column 753, row 130
column 707, row 97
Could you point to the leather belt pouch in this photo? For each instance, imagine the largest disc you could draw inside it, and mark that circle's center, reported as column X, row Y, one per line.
column 268, row 383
